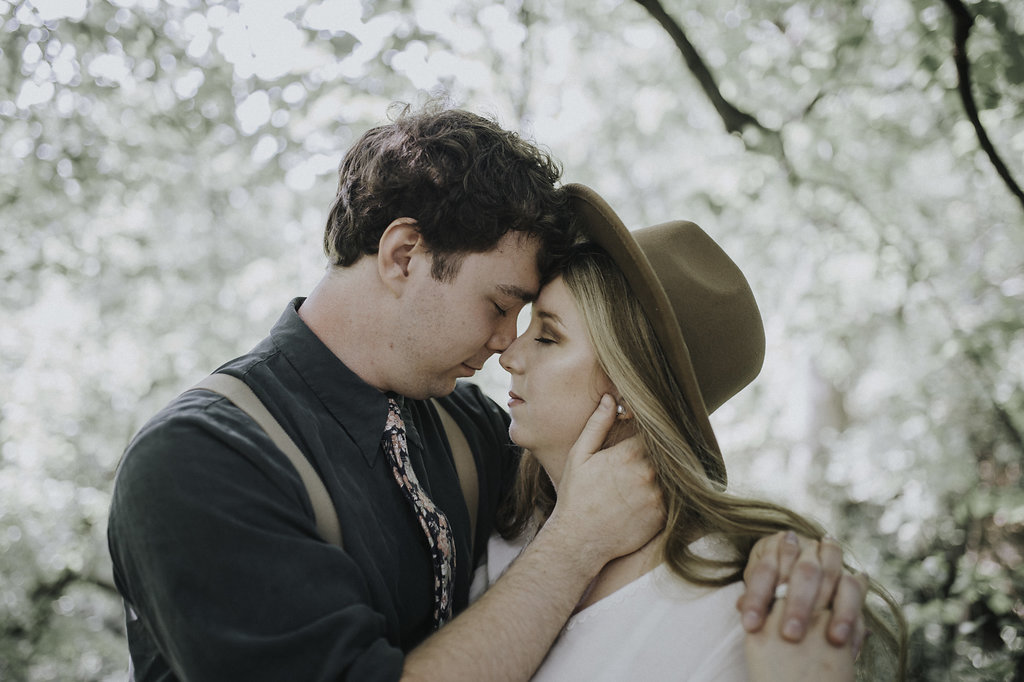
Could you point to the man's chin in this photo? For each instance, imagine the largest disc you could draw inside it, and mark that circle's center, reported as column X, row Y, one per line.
column 442, row 385
column 438, row 389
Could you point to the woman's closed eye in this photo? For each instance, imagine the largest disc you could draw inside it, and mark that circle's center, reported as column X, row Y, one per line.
column 547, row 335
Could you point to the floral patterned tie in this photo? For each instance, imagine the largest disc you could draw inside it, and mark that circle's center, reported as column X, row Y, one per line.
column 434, row 522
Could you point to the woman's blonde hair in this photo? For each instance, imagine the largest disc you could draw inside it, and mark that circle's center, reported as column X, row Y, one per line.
column 687, row 470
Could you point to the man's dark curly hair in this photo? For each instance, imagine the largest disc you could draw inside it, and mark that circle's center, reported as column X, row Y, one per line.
column 465, row 180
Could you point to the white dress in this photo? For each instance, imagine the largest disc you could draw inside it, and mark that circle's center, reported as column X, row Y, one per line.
column 658, row 627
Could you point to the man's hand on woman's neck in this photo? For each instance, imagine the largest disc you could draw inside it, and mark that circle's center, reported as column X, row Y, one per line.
column 620, row 572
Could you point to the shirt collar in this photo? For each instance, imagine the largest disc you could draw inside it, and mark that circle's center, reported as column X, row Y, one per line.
column 358, row 407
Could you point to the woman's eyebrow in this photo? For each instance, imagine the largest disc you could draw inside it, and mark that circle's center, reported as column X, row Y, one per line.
column 545, row 315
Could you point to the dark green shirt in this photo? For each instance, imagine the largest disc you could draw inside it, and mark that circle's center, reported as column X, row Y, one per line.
column 213, row 537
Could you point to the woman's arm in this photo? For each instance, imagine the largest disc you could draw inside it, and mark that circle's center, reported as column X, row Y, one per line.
column 772, row 659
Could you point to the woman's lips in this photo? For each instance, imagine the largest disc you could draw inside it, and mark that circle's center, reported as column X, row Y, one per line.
column 514, row 400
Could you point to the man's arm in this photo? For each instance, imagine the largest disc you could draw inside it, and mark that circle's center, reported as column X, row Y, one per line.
column 207, row 536
column 608, row 505
column 214, row 548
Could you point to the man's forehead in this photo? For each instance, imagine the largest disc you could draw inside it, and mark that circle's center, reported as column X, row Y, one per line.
column 511, row 266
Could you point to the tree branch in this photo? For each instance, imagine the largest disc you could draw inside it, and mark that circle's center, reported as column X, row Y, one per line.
column 734, row 119
column 962, row 24
column 526, row 75
column 42, row 598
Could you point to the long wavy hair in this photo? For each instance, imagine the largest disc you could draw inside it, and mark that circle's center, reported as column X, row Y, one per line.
column 630, row 355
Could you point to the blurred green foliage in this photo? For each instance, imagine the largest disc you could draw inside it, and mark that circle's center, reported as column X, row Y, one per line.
column 165, row 168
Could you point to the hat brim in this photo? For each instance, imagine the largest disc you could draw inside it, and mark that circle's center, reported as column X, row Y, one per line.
column 604, row 227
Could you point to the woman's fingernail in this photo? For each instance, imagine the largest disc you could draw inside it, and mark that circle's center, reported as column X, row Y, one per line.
column 751, row 621
column 793, row 629
column 791, row 538
column 841, row 632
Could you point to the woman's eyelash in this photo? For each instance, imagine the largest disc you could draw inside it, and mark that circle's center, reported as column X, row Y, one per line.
column 541, row 339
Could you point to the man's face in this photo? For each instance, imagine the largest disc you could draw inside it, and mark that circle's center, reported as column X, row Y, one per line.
column 451, row 328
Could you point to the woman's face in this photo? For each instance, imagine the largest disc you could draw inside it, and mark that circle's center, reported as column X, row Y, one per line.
column 556, row 380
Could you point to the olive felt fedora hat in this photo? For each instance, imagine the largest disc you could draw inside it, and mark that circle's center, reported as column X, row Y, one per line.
column 697, row 300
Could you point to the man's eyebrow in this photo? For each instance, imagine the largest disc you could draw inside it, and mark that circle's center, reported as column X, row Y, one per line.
column 524, row 295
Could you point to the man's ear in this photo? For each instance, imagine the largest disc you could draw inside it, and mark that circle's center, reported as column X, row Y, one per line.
column 401, row 239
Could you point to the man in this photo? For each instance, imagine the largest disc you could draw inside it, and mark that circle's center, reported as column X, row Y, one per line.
column 440, row 232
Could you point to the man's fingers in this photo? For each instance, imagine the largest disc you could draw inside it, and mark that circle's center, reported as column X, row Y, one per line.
column 847, row 608
column 595, row 431
column 804, row 585
column 830, row 555
column 609, row 498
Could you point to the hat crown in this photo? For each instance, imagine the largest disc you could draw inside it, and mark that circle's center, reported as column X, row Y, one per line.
column 714, row 308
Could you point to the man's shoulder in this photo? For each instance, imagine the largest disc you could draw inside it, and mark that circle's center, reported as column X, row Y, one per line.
column 192, row 421
column 199, row 421
column 198, row 454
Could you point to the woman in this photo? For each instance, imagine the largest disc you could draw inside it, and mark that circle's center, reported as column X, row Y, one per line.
column 665, row 323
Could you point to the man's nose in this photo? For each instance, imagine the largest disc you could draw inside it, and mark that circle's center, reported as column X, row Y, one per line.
column 504, row 335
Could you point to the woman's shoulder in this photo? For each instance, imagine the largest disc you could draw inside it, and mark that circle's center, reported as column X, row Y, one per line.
column 652, row 628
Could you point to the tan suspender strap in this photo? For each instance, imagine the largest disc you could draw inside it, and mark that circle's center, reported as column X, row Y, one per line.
column 465, row 466
column 239, row 393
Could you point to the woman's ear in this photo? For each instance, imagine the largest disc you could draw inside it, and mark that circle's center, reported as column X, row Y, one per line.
column 622, row 412
column 395, row 250
column 623, row 427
